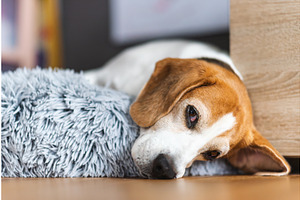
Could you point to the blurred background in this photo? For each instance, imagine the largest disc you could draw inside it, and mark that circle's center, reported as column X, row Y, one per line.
column 83, row 35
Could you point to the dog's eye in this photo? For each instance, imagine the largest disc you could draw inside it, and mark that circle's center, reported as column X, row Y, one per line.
column 192, row 116
column 210, row 155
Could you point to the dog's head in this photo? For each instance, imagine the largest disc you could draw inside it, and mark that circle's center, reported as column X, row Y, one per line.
column 197, row 110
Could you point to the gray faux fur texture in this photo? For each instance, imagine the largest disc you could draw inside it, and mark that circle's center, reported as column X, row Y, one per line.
column 55, row 124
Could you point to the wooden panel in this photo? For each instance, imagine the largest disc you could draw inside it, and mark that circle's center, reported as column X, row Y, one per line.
column 265, row 46
column 196, row 188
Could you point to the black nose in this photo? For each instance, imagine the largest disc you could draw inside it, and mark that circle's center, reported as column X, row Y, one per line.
column 161, row 168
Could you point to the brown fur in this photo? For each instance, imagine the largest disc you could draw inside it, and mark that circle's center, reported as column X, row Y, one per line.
column 222, row 92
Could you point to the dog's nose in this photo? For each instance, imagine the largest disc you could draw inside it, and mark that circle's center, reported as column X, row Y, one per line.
column 161, row 168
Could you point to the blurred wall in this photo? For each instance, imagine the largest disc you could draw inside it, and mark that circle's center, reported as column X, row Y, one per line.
column 86, row 34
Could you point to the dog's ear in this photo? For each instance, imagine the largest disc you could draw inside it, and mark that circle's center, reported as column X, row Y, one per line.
column 171, row 79
column 259, row 157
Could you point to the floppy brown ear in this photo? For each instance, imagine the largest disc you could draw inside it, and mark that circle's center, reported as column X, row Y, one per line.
column 171, row 79
column 260, row 158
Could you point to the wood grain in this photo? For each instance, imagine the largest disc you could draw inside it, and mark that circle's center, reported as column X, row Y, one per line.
column 265, row 46
column 223, row 187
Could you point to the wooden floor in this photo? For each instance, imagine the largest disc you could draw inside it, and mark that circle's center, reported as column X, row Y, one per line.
column 225, row 187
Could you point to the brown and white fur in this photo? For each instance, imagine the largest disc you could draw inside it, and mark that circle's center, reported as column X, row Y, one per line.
column 225, row 121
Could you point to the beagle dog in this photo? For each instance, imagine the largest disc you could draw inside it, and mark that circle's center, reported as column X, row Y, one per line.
column 196, row 108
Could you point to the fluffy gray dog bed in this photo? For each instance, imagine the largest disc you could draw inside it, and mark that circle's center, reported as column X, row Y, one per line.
column 55, row 124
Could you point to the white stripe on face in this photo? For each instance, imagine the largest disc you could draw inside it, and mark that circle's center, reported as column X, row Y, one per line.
column 180, row 147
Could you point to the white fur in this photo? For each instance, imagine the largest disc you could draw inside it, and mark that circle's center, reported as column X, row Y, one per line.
column 180, row 146
column 129, row 71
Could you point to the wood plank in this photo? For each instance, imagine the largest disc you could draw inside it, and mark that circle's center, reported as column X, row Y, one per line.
column 222, row 187
column 265, row 46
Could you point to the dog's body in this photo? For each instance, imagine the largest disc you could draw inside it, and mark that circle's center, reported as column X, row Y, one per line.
column 194, row 107
column 131, row 69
